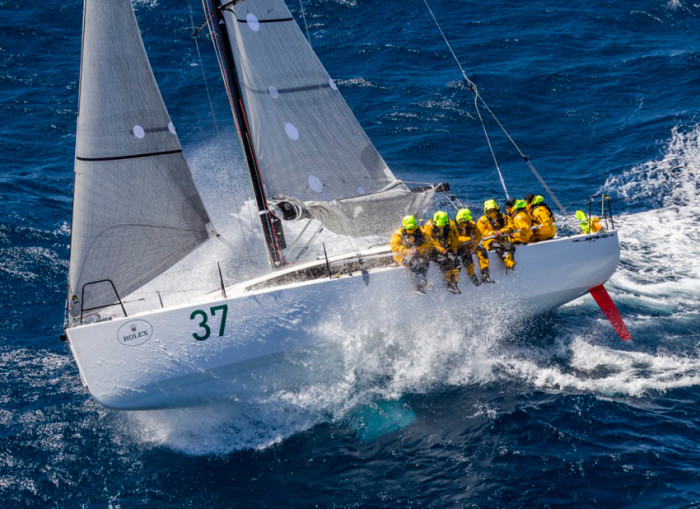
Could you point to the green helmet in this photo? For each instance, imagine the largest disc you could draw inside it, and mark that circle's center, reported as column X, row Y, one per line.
column 441, row 219
column 463, row 215
column 490, row 205
column 537, row 199
column 519, row 204
column 410, row 223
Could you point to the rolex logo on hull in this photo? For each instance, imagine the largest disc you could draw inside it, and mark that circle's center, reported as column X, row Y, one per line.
column 135, row 333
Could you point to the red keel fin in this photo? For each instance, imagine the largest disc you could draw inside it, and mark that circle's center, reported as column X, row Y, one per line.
column 602, row 298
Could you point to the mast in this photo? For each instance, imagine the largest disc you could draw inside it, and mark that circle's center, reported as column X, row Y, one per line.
column 271, row 225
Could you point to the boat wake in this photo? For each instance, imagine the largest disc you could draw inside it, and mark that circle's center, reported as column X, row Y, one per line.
column 384, row 349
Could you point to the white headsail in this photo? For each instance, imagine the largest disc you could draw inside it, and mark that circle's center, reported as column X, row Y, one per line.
column 136, row 209
column 309, row 147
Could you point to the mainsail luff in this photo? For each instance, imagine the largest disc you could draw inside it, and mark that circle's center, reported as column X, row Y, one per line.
column 272, row 229
column 136, row 210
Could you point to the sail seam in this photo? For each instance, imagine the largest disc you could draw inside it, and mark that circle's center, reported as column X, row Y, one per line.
column 132, row 156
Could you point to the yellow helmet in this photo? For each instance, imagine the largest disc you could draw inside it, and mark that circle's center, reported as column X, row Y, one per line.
column 410, row 223
column 441, row 219
column 490, row 205
column 519, row 204
column 463, row 215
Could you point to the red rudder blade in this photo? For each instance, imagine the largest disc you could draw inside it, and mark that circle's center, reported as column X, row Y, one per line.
column 602, row 298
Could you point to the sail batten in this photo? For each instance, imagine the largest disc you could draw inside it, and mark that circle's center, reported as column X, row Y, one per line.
column 129, row 156
column 137, row 211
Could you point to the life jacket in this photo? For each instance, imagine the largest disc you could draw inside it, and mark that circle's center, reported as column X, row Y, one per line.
column 413, row 239
column 442, row 235
column 497, row 223
column 468, row 231
column 445, row 237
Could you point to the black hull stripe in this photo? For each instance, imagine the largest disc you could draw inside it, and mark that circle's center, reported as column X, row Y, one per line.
column 132, row 156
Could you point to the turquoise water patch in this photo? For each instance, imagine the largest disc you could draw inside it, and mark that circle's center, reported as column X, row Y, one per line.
column 379, row 418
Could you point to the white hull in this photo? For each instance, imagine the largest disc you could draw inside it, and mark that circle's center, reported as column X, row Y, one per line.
column 152, row 360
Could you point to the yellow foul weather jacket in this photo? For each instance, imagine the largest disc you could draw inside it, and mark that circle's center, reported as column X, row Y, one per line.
column 468, row 233
column 541, row 216
column 444, row 239
column 488, row 227
column 522, row 223
column 469, row 237
column 403, row 242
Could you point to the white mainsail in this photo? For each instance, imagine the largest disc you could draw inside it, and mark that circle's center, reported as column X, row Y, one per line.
column 310, row 148
column 136, row 209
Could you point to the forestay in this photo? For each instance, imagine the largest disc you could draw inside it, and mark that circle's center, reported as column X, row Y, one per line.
column 310, row 148
column 136, row 209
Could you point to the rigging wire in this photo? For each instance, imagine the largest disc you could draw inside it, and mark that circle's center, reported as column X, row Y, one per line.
column 488, row 141
column 306, row 25
column 478, row 99
column 195, row 32
column 233, row 248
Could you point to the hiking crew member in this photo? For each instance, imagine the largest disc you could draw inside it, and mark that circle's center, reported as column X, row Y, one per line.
column 521, row 222
column 469, row 237
column 443, row 234
column 542, row 218
column 589, row 226
column 497, row 225
column 413, row 249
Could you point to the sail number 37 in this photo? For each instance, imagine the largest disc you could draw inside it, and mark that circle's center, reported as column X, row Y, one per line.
column 204, row 319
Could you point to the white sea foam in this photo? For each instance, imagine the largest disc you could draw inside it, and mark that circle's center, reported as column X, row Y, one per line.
column 660, row 245
column 609, row 372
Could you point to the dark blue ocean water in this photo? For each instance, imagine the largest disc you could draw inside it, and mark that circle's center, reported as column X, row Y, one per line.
column 559, row 413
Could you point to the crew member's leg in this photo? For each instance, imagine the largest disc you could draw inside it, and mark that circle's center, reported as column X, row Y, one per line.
column 418, row 265
column 449, row 265
column 465, row 256
column 482, row 253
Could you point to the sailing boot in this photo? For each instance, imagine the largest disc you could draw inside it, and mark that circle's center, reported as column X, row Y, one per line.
column 485, row 276
column 509, row 263
column 452, row 284
column 472, row 276
column 421, row 282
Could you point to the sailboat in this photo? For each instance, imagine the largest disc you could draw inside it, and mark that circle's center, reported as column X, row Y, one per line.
column 137, row 214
